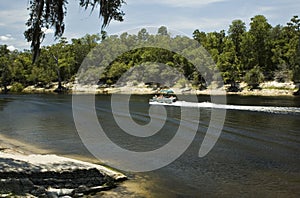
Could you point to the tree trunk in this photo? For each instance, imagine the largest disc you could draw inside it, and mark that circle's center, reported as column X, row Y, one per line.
column 60, row 88
column 233, row 87
column 5, row 89
column 59, row 79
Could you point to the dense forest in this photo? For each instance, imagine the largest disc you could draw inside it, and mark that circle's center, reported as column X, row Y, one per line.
column 262, row 53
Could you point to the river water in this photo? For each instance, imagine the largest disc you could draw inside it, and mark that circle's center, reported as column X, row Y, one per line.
column 257, row 153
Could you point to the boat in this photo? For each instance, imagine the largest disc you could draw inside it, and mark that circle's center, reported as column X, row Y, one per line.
column 163, row 99
column 166, row 96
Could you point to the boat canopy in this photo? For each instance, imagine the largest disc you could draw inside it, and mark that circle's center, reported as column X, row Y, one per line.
column 167, row 91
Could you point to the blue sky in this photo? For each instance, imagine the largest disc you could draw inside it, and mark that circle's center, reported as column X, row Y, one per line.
column 182, row 15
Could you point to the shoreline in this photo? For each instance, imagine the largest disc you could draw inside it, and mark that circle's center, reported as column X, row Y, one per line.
column 126, row 187
column 13, row 146
column 25, row 170
column 270, row 88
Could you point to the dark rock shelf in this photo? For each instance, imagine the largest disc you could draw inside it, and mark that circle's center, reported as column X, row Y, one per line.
column 53, row 176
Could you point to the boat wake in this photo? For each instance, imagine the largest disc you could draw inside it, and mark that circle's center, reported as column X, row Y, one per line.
column 268, row 109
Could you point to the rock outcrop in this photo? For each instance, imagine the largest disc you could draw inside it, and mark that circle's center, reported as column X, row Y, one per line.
column 53, row 176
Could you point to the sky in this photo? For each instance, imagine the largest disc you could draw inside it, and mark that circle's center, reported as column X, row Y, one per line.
column 183, row 16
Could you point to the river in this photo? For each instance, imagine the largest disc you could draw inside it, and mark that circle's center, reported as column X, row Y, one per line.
column 257, row 153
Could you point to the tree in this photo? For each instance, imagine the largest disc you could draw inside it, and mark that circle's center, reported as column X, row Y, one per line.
column 63, row 60
column 235, row 32
column 262, row 52
column 81, row 47
column 254, row 77
column 294, row 24
column 19, row 66
column 293, row 28
column 260, row 30
column 49, row 13
column 4, row 67
column 248, row 54
column 213, row 42
column 200, row 37
column 162, row 31
column 229, row 65
column 143, row 35
column 286, row 51
column 281, row 51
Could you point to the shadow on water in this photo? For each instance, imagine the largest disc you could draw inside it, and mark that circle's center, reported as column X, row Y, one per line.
column 4, row 102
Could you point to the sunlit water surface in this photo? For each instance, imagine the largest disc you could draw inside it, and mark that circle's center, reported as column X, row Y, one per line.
column 257, row 153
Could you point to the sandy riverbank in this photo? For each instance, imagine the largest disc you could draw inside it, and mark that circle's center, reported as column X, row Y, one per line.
column 270, row 88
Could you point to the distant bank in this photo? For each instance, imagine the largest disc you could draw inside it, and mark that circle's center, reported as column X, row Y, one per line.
column 271, row 88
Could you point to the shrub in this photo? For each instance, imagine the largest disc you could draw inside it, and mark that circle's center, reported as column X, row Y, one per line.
column 283, row 74
column 254, row 77
column 16, row 87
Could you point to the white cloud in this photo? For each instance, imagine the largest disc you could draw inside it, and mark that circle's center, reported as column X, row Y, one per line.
column 11, row 48
column 20, row 44
column 47, row 31
column 6, row 37
column 177, row 3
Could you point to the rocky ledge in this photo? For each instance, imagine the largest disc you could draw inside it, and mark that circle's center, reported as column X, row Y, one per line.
column 52, row 176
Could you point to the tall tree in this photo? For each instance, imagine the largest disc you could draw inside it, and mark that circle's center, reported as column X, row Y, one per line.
column 63, row 60
column 260, row 30
column 235, row 32
column 50, row 13
column 248, row 54
column 229, row 65
column 280, row 47
column 4, row 67
column 293, row 30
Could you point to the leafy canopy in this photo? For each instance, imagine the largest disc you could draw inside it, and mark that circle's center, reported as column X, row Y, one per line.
column 45, row 14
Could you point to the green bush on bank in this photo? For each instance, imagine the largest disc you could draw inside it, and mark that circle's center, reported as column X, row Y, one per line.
column 16, row 87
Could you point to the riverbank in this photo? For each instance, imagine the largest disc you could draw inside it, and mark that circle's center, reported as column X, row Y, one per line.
column 271, row 88
column 23, row 173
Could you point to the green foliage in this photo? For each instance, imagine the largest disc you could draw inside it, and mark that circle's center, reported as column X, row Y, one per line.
column 16, row 87
column 229, row 64
column 200, row 37
column 182, row 83
column 283, row 74
column 235, row 33
column 254, row 77
column 47, row 13
column 263, row 45
column 261, row 53
column 162, row 31
column 5, row 61
column 260, row 31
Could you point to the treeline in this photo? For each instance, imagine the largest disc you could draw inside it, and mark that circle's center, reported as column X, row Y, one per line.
column 56, row 63
column 259, row 54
